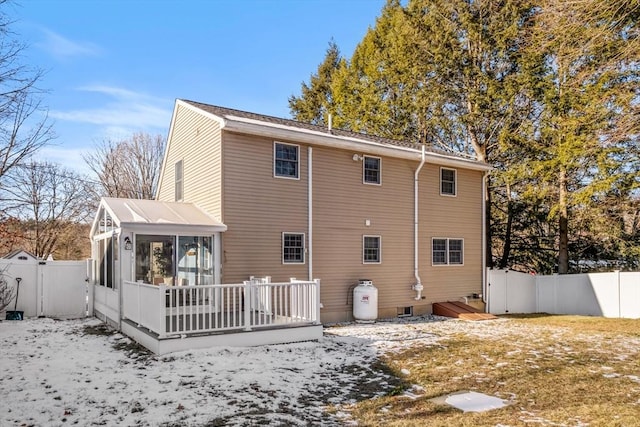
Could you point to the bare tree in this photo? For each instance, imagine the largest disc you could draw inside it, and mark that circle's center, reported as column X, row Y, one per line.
column 24, row 124
column 49, row 201
column 7, row 292
column 129, row 168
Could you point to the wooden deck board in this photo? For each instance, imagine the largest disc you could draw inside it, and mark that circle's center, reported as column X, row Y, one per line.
column 460, row 310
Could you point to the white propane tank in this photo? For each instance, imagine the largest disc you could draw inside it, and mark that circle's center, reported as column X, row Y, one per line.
column 365, row 302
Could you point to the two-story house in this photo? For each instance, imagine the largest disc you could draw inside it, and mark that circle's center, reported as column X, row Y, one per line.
column 303, row 201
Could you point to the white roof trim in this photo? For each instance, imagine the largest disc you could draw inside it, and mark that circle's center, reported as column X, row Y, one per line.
column 235, row 123
column 154, row 215
column 312, row 137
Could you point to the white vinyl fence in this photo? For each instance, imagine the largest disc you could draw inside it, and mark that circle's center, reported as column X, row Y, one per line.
column 56, row 289
column 613, row 294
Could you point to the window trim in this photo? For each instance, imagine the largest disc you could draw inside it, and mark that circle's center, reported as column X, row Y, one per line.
column 447, row 252
column 298, row 163
column 364, row 175
column 455, row 182
column 304, row 248
column 364, row 237
column 178, row 183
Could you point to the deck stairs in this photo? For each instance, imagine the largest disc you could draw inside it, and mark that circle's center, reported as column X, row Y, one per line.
column 460, row 310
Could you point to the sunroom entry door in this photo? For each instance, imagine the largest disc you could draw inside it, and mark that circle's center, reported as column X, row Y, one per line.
column 195, row 260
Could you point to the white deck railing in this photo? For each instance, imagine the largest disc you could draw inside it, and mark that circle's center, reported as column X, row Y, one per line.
column 254, row 304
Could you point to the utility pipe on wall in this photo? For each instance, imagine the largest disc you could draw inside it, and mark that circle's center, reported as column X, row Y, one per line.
column 310, row 210
column 418, row 286
column 484, row 241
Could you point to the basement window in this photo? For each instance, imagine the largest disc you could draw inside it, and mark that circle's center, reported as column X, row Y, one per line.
column 405, row 311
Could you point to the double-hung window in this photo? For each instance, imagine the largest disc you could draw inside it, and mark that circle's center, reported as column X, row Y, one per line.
column 447, row 182
column 286, row 160
column 371, row 171
column 179, row 175
column 371, row 250
column 447, row 251
column 293, row 248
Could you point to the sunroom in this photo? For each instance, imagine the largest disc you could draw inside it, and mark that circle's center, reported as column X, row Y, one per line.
column 157, row 278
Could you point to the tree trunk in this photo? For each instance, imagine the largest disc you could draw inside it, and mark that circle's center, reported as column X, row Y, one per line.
column 487, row 228
column 563, row 223
column 481, row 155
column 506, row 251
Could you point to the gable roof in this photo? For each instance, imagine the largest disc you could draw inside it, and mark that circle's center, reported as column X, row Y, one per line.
column 275, row 127
column 147, row 213
column 17, row 252
column 229, row 114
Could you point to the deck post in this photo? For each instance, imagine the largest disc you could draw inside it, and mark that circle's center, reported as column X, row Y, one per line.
column 162, row 323
column 139, row 304
column 317, row 302
column 247, row 305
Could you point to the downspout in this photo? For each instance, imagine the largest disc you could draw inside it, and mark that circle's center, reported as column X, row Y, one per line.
column 484, row 241
column 310, row 210
column 418, row 286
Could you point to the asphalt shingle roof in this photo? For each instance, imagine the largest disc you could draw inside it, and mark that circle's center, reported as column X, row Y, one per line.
column 223, row 112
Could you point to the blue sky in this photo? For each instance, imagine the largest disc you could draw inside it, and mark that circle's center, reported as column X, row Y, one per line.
column 116, row 67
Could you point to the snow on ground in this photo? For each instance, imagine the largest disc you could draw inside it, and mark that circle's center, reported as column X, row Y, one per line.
column 78, row 372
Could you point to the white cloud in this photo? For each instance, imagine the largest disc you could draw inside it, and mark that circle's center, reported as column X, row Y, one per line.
column 115, row 113
column 70, row 158
column 125, row 109
column 61, row 47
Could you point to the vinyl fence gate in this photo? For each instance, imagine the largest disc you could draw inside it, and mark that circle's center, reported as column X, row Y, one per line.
column 56, row 289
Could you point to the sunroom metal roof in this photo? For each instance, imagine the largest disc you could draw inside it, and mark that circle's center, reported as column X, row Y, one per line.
column 158, row 215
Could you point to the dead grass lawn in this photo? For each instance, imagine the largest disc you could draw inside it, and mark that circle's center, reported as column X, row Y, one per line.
column 553, row 370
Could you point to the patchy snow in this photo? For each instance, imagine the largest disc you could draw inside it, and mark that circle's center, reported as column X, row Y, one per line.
column 472, row 401
column 79, row 372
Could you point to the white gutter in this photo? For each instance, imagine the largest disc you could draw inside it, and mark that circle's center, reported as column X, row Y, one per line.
column 325, row 139
column 418, row 286
column 310, row 210
column 320, row 138
column 484, row 240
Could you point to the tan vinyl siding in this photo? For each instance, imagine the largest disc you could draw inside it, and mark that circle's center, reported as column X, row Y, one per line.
column 195, row 140
column 258, row 208
column 342, row 205
column 458, row 217
column 231, row 176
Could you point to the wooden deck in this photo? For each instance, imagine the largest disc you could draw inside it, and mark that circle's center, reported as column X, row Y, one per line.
column 275, row 334
column 175, row 318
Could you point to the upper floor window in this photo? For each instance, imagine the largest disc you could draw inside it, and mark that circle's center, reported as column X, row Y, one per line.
column 371, row 250
column 293, row 248
column 371, row 170
column 178, row 171
column 447, row 251
column 286, row 160
column 447, row 182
